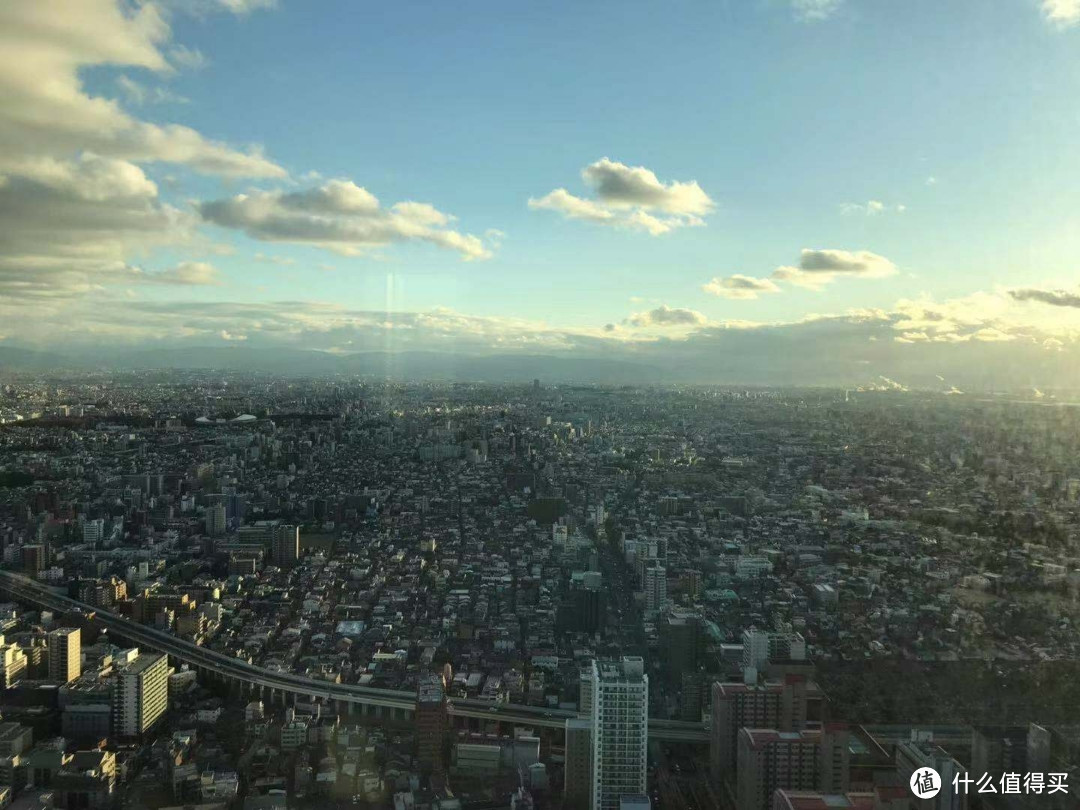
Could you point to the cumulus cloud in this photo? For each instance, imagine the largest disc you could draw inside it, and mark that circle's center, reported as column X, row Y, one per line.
column 871, row 208
column 664, row 316
column 1057, row 298
column 816, row 268
column 811, row 10
column 67, row 227
column 631, row 197
column 339, row 216
column 44, row 45
column 740, row 287
column 1063, row 13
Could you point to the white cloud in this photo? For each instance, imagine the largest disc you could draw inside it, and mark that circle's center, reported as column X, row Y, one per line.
column 1057, row 298
column 622, row 186
column 245, row 6
column 139, row 93
column 45, row 44
column 810, row 10
column 978, row 340
column 1063, row 13
column 818, row 268
column 666, row 317
column 339, row 216
column 187, row 274
column 871, row 208
column 66, row 227
column 740, row 287
column 630, row 197
column 182, row 56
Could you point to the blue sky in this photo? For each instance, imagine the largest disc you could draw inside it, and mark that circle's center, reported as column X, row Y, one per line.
column 938, row 137
column 781, row 121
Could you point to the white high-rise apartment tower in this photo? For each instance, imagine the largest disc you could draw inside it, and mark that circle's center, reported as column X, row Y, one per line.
column 620, row 715
column 141, row 693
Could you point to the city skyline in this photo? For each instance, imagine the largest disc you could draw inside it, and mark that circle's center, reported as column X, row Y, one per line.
column 804, row 191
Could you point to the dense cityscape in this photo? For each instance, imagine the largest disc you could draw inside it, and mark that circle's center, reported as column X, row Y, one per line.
column 245, row 591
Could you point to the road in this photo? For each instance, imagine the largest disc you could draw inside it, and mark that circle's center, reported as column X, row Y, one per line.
column 26, row 590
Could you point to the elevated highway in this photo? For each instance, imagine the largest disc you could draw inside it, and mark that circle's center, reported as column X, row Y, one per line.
column 257, row 678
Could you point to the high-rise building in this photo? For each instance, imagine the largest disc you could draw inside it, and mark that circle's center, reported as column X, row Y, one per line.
column 736, row 706
column 215, row 519
column 583, row 610
column 286, row 540
column 682, row 633
column 755, row 648
column 654, row 584
column 770, row 759
column 141, row 693
column 587, row 690
column 65, row 654
column 692, row 697
column 33, row 559
column 431, row 723
column 94, row 531
column 12, row 664
column 810, row 760
column 577, row 786
column 620, row 715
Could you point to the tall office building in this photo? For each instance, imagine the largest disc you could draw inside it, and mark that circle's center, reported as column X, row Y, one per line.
column 286, row 540
column 65, row 654
column 215, row 519
column 654, row 583
column 431, row 723
column 141, row 693
column 735, row 706
column 34, row 559
column 682, row 633
column 692, row 696
column 577, row 785
column 620, row 720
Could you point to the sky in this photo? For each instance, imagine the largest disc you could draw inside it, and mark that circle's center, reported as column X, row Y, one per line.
column 894, row 184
